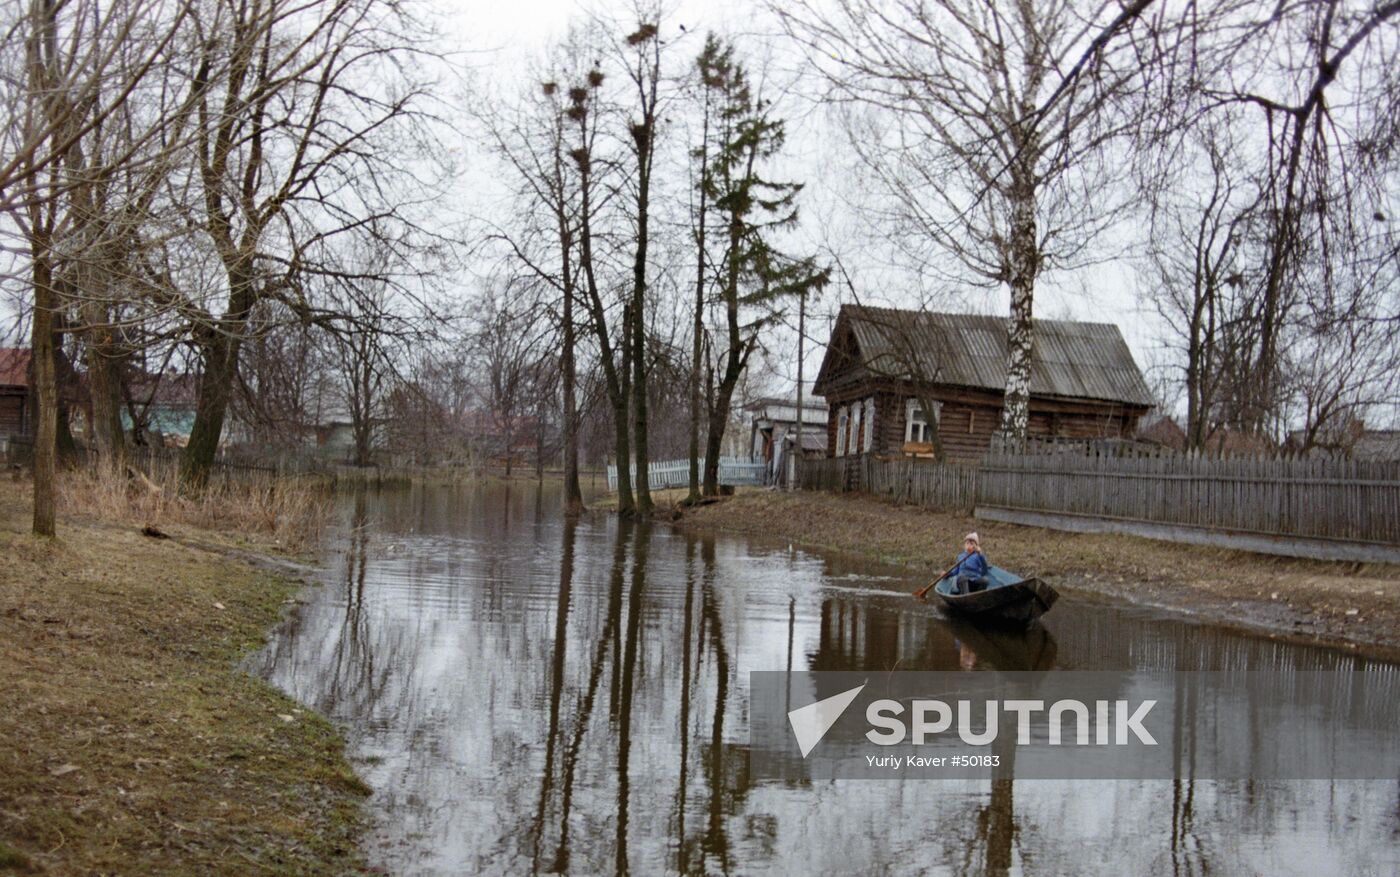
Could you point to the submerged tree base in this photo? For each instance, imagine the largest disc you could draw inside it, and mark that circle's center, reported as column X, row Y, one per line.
column 130, row 742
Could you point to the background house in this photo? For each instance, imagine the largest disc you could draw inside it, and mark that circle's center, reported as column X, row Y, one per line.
column 14, row 392
column 1162, row 430
column 773, row 434
column 1377, row 444
column 164, row 403
column 879, row 361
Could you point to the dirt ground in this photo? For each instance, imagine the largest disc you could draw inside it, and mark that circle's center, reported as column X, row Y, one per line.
column 1355, row 605
column 130, row 742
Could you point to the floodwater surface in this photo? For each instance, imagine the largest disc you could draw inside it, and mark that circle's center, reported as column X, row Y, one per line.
column 527, row 694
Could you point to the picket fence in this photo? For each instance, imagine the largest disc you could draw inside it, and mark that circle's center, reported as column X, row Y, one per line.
column 676, row 473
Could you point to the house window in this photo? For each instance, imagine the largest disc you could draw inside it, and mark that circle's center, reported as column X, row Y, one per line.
column 916, row 426
column 869, row 442
column 841, row 427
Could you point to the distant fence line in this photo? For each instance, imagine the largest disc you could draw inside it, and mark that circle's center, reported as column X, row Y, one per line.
column 1325, row 508
column 662, row 474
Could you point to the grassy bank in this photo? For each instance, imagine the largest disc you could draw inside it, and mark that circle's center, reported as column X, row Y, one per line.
column 1339, row 602
column 130, row 743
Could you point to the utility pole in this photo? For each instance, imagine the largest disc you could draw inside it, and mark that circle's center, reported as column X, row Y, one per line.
column 801, row 338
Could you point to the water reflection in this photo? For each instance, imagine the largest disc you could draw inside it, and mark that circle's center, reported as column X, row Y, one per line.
column 529, row 694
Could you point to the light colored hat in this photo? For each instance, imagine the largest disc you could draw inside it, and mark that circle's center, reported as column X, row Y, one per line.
column 972, row 537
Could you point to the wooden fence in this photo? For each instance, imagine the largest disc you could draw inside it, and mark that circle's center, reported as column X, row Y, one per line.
column 676, row 473
column 1320, row 498
column 946, row 486
column 1314, row 507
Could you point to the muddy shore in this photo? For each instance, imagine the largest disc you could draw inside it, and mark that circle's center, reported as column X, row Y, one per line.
column 1347, row 604
column 131, row 741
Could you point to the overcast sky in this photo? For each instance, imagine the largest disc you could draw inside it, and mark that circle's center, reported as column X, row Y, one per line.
column 499, row 37
column 491, row 41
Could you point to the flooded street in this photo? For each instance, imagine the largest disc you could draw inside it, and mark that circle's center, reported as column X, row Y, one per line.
column 530, row 695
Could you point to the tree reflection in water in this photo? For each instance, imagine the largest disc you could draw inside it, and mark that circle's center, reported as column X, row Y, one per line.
column 465, row 636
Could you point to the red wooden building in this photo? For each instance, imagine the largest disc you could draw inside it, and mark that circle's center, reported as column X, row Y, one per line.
column 14, row 392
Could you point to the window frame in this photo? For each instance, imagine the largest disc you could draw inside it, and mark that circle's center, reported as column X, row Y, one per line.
column 914, row 416
column 853, row 440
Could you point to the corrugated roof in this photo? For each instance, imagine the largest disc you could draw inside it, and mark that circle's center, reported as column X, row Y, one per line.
column 1070, row 359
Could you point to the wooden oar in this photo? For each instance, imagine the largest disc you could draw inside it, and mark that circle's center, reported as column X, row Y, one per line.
column 919, row 594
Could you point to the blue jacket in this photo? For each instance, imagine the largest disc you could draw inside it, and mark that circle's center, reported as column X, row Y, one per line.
column 974, row 565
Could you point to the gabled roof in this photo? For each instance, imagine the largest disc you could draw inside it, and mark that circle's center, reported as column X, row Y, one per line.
column 14, row 367
column 785, row 410
column 1070, row 359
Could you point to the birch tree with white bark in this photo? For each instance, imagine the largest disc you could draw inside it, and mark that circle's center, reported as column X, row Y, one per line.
column 988, row 128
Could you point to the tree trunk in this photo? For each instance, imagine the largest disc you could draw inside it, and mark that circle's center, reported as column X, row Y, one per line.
column 218, row 365
column 573, row 493
column 797, row 428
column 735, row 363
column 219, row 348
column 622, row 404
column 539, row 447
column 64, row 375
column 698, row 325
column 363, row 450
column 362, row 403
column 46, row 395
column 1024, row 262
column 104, row 389
column 510, row 441
column 614, row 374
column 639, row 335
column 714, row 439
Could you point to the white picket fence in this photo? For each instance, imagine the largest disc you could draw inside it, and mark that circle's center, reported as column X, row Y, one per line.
column 676, row 473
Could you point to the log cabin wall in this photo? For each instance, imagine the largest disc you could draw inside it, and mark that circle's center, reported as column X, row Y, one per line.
column 14, row 419
column 969, row 419
column 889, row 423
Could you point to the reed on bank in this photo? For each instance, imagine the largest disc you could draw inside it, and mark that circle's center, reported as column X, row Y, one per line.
column 288, row 511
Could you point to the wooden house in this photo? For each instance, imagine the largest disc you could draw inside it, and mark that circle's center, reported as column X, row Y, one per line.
column 15, row 418
column 773, row 434
column 880, row 361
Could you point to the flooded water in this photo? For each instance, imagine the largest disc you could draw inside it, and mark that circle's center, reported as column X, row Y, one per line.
column 530, row 695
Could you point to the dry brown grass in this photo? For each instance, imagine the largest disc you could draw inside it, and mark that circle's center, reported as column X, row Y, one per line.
column 289, row 513
column 1312, row 598
column 130, row 742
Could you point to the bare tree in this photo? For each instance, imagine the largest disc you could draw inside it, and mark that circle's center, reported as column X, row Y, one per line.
column 81, row 62
column 988, row 123
column 1287, row 64
column 643, row 63
column 614, row 353
column 511, row 342
column 532, row 136
column 1195, row 271
column 1287, row 113
column 293, row 155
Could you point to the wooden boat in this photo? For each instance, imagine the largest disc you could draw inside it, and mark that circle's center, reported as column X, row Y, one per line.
column 1008, row 599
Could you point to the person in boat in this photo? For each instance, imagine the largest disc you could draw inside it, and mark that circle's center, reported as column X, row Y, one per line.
column 970, row 570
